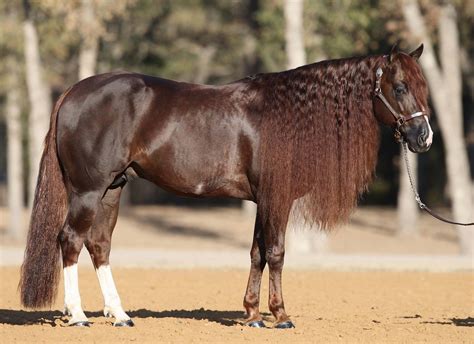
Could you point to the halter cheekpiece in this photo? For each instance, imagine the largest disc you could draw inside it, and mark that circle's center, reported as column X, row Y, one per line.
column 400, row 119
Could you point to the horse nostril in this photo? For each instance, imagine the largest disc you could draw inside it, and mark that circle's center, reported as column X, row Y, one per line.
column 423, row 137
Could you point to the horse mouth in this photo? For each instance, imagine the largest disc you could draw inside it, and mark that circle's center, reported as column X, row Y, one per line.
column 418, row 149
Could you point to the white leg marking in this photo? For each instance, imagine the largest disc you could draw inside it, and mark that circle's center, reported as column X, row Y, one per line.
column 429, row 140
column 113, row 306
column 72, row 299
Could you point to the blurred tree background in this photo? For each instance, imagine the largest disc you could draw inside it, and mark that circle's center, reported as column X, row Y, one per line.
column 214, row 41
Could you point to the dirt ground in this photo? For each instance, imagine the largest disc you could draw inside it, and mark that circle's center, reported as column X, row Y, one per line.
column 194, row 306
column 372, row 230
column 205, row 305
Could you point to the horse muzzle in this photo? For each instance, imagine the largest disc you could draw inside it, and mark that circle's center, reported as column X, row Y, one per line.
column 417, row 148
column 419, row 141
column 418, row 135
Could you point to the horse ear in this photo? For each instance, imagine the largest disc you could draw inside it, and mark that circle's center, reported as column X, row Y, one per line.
column 394, row 51
column 417, row 52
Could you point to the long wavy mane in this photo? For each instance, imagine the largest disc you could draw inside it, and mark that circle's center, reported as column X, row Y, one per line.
column 319, row 140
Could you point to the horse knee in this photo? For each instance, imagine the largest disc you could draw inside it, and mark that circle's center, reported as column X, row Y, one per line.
column 256, row 259
column 275, row 257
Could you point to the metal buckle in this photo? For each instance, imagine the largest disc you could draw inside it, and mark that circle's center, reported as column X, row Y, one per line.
column 400, row 121
column 398, row 136
column 379, row 73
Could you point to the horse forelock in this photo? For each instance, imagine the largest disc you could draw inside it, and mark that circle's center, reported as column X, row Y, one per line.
column 319, row 139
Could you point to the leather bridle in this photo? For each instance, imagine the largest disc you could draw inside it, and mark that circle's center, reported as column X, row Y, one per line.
column 400, row 120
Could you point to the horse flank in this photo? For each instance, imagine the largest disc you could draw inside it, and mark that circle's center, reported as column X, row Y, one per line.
column 319, row 139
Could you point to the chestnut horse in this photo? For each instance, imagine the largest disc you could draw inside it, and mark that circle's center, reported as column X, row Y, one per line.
column 302, row 142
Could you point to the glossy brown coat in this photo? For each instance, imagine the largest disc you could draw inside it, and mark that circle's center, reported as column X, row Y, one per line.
column 301, row 143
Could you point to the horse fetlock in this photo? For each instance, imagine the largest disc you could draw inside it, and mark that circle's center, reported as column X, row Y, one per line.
column 107, row 312
column 252, row 313
column 251, row 300
column 116, row 312
column 277, row 308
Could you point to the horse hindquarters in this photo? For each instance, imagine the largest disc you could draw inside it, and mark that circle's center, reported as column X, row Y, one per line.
column 94, row 148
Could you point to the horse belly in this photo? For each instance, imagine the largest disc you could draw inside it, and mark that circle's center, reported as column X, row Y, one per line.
column 192, row 166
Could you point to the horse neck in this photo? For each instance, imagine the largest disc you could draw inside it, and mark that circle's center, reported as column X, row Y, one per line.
column 351, row 79
column 320, row 136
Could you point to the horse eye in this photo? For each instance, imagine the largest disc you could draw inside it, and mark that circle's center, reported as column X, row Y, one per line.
column 399, row 90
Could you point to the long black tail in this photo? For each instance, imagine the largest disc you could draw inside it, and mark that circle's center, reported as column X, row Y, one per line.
column 41, row 266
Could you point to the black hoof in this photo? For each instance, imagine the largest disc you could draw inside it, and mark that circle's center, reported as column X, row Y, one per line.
column 81, row 324
column 286, row 324
column 258, row 324
column 126, row 323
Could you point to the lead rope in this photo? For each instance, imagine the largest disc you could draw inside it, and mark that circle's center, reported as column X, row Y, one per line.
column 417, row 196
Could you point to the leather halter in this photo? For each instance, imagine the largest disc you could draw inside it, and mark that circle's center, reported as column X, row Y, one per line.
column 400, row 119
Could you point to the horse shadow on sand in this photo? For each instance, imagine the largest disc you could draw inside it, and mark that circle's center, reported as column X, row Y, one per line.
column 55, row 318
column 224, row 318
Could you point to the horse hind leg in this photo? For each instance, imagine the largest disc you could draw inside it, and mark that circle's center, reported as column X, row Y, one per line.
column 81, row 215
column 98, row 243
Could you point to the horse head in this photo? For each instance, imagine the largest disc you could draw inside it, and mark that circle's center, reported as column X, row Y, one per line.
column 401, row 99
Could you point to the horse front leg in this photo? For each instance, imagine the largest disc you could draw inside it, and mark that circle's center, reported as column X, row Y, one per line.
column 257, row 265
column 274, row 232
column 275, row 257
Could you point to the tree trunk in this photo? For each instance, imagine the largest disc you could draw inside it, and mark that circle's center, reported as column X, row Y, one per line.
column 205, row 56
column 14, row 155
column 40, row 103
column 445, row 85
column 407, row 207
column 90, row 40
column 294, row 33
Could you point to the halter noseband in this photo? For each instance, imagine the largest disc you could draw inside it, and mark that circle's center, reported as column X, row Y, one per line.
column 400, row 120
